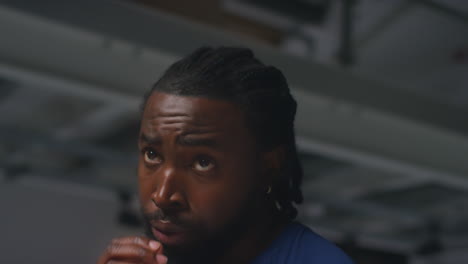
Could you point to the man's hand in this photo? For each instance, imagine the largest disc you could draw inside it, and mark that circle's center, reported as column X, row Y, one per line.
column 133, row 250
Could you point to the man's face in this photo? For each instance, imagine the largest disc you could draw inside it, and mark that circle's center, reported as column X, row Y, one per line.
column 198, row 169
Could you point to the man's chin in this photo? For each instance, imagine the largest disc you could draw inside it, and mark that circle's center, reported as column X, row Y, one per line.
column 174, row 244
column 176, row 239
column 186, row 251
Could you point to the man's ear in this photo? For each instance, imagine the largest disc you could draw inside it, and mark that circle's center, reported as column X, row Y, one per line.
column 273, row 162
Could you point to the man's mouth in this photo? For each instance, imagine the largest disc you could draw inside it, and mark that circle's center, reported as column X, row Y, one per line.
column 168, row 233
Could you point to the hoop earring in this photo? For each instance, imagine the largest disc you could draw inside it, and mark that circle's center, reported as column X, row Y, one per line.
column 268, row 190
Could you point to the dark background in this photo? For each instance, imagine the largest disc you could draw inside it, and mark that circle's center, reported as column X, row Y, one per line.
column 382, row 124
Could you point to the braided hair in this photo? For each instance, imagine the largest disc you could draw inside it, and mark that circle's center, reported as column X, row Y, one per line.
column 235, row 75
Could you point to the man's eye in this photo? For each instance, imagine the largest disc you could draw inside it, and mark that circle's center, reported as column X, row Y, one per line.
column 152, row 156
column 203, row 164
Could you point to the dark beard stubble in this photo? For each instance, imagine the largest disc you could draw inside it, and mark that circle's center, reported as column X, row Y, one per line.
column 209, row 247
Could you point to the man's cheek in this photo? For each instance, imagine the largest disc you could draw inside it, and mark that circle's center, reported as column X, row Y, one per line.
column 221, row 212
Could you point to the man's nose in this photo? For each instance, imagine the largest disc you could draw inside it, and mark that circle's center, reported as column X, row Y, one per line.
column 168, row 194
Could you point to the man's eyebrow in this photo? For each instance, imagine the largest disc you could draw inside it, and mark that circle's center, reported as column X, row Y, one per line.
column 155, row 140
column 197, row 142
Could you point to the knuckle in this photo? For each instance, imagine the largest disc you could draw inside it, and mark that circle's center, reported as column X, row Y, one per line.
column 119, row 240
column 141, row 252
column 137, row 240
column 111, row 249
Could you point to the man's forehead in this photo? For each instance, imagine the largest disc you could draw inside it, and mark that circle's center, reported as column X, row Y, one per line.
column 194, row 117
column 197, row 109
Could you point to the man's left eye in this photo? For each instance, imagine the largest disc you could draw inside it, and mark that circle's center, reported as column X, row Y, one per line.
column 203, row 164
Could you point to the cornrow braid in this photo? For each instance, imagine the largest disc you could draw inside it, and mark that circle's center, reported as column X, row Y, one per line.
column 235, row 75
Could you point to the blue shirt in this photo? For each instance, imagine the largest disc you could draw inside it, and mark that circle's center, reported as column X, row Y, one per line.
column 298, row 244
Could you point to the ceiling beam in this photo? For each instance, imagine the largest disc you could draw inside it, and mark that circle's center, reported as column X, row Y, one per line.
column 116, row 51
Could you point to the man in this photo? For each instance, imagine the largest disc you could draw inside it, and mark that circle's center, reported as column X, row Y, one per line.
column 218, row 168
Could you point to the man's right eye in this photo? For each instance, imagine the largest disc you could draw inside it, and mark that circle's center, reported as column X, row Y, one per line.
column 152, row 157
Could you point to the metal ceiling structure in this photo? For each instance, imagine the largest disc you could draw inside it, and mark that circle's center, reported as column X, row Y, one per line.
column 384, row 148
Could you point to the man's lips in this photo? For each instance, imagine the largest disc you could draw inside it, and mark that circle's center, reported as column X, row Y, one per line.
column 167, row 226
column 168, row 233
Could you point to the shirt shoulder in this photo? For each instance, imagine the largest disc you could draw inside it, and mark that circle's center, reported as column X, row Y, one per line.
column 298, row 244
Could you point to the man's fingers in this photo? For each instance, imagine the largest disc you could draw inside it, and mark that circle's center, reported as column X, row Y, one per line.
column 133, row 249
column 128, row 253
column 120, row 262
column 143, row 241
column 156, row 246
column 161, row 259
